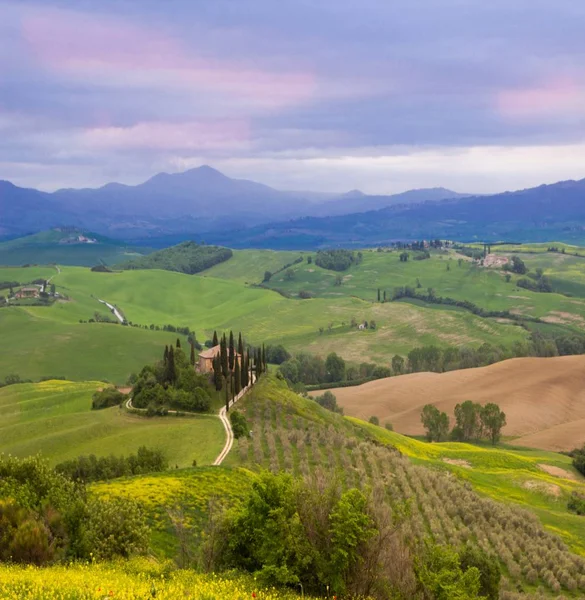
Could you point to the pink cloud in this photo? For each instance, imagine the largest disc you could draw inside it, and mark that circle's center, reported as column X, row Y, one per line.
column 555, row 97
column 208, row 135
column 113, row 52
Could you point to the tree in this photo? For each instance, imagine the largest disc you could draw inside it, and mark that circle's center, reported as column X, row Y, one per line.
column 223, row 353
column 267, row 276
column 171, row 371
column 232, row 352
column 215, row 341
column 244, row 370
column 240, row 345
column 490, row 572
column 289, row 275
column 166, row 355
column 378, row 294
column 329, row 401
column 217, row 373
column 192, row 357
column 309, row 260
column 468, row 422
column 493, row 420
column 237, row 377
column 263, row 356
column 178, row 343
column 404, row 256
column 374, row 420
column 384, row 295
column 435, row 422
column 335, row 367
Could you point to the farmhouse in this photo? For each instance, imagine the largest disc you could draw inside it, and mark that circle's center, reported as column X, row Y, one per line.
column 27, row 292
column 206, row 358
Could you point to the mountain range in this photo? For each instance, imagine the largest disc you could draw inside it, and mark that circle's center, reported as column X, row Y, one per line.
column 207, row 204
column 195, row 201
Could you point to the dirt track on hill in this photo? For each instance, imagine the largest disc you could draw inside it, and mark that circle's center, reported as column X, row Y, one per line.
column 543, row 398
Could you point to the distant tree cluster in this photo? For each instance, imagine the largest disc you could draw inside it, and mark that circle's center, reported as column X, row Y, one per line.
column 337, row 260
column 90, row 468
column 328, row 400
column 578, row 456
column 516, row 265
column 268, row 275
column 171, row 383
column 472, row 422
column 107, row 397
column 307, row 369
column 537, row 282
column 187, row 257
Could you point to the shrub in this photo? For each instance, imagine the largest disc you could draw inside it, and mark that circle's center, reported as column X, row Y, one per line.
column 374, row 420
column 240, row 425
column 108, row 397
column 576, row 503
column 329, row 401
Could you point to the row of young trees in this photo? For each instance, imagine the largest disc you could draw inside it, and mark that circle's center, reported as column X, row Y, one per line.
column 472, row 422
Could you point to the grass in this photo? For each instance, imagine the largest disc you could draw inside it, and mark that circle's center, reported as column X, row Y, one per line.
column 447, row 275
column 35, row 346
column 249, row 266
column 54, row 418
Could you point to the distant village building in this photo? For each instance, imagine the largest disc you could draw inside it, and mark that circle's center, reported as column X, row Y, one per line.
column 206, row 358
column 27, row 292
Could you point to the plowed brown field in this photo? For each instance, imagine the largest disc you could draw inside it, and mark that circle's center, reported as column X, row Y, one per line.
column 543, row 398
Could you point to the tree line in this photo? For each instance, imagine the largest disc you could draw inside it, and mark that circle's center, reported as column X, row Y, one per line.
column 172, row 383
column 337, row 260
column 473, row 422
column 91, row 468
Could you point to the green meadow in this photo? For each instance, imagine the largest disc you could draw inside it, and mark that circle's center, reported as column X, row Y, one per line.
column 54, row 418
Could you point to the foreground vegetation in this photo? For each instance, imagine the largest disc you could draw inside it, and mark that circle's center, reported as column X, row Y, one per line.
column 133, row 580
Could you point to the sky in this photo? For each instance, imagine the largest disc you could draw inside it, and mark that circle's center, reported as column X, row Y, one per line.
column 324, row 95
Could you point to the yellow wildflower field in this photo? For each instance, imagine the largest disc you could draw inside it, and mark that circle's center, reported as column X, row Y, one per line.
column 134, row 580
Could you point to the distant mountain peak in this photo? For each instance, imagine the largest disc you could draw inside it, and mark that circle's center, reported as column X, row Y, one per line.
column 354, row 194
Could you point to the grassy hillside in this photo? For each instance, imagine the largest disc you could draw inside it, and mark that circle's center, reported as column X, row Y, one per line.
column 249, row 266
column 187, row 257
column 205, row 304
column 34, row 345
column 543, row 398
column 55, row 419
column 449, row 275
column 59, row 247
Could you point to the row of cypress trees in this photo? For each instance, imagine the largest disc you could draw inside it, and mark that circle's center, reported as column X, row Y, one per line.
column 235, row 366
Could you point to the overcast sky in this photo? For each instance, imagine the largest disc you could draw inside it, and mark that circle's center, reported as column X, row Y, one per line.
column 332, row 95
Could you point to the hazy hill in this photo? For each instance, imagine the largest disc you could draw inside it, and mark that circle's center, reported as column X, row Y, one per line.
column 66, row 246
column 196, row 201
column 555, row 211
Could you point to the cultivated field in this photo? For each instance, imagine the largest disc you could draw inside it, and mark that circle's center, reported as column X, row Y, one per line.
column 54, row 418
column 543, row 398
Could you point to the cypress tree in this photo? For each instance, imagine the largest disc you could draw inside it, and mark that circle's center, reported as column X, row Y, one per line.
column 257, row 362
column 237, row 377
column 166, row 355
column 264, row 363
column 224, row 356
column 244, row 372
column 378, row 294
column 240, row 346
column 227, row 396
column 384, row 295
column 232, row 352
column 178, row 343
column 171, row 371
column 217, row 376
column 215, row 341
column 192, row 355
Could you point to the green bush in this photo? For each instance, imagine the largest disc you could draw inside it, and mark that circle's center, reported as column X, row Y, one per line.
column 239, row 423
column 106, row 398
column 576, row 503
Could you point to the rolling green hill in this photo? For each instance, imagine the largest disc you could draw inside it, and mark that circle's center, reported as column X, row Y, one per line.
column 61, row 246
column 187, row 257
column 457, row 492
column 54, row 418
